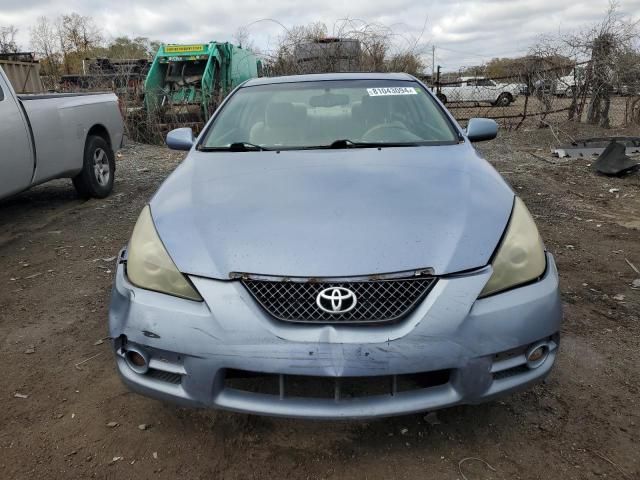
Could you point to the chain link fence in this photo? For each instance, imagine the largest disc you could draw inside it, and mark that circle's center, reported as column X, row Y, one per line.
column 531, row 97
column 542, row 96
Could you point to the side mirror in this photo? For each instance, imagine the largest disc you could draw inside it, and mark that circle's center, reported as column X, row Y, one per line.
column 481, row 129
column 180, row 139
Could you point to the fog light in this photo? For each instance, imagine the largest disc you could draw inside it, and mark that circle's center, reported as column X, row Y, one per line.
column 537, row 354
column 137, row 360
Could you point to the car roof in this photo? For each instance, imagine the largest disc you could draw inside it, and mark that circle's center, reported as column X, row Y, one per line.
column 320, row 77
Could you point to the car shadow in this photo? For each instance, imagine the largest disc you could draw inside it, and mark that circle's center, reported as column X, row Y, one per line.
column 34, row 209
column 466, row 424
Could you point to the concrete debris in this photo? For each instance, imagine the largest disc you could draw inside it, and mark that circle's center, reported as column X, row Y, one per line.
column 112, row 424
column 30, row 349
column 20, row 395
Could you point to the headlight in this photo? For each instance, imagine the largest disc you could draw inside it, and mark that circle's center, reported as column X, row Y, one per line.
column 149, row 265
column 520, row 257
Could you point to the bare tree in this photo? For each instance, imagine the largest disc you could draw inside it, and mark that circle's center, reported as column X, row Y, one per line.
column 77, row 36
column 242, row 38
column 44, row 42
column 8, row 39
column 605, row 43
column 380, row 48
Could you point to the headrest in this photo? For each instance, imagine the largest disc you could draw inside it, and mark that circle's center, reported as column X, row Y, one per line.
column 375, row 108
column 280, row 114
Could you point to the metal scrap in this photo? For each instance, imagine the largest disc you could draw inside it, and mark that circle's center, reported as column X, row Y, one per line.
column 613, row 161
column 77, row 365
column 595, row 146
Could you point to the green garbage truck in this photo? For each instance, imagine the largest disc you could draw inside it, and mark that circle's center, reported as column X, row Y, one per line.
column 185, row 83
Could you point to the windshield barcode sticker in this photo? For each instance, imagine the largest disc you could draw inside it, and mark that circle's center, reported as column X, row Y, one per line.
column 376, row 92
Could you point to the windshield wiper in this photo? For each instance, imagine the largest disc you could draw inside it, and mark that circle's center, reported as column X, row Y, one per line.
column 346, row 143
column 245, row 146
column 236, row 147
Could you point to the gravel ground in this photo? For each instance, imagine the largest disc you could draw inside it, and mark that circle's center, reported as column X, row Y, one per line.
column 64, row 412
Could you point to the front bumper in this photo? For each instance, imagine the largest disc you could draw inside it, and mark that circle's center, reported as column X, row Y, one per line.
column 192, row 346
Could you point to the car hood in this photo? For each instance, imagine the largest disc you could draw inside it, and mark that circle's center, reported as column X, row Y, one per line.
column 330, row 213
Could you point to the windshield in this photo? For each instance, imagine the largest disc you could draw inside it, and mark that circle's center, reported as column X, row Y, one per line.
column 319, row 114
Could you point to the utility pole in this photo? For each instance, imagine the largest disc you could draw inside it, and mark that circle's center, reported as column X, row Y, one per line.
column 433, row 60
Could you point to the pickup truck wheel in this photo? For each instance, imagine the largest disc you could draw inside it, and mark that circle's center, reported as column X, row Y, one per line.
column 504, row 100
column 441, row 97
column 97, row 175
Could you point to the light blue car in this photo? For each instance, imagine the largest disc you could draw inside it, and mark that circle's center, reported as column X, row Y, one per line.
column 334, row 247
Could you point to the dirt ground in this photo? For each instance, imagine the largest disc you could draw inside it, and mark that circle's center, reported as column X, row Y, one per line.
column 59, row 391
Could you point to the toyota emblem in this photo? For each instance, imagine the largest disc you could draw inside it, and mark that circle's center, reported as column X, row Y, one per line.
column 336, row 300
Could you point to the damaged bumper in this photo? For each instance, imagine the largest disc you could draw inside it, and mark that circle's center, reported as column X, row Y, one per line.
column 452, row 349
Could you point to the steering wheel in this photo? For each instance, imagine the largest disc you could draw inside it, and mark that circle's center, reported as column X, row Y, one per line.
column 378, row 133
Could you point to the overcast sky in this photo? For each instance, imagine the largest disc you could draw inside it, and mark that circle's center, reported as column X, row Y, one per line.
column 464, row 32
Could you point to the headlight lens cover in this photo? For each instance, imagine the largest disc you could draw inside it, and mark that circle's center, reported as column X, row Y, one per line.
column 520, row 257
column 149, row 266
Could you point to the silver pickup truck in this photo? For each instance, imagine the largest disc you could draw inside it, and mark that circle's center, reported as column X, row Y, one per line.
column 49, row 136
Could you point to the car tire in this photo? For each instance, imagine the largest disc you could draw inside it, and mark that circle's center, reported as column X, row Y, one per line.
column 568, row 92
column 98, row 169
column 504, row 100
column 441, row 97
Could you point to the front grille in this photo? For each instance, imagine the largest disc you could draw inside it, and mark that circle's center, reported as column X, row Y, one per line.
column 510, row 372
column 338, row 388
column 168, row 377
column 377, row 301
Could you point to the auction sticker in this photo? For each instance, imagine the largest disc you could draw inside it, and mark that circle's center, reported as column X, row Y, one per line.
column 378, row 92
